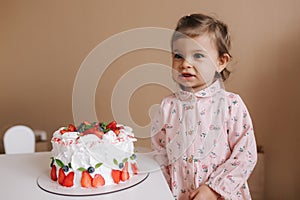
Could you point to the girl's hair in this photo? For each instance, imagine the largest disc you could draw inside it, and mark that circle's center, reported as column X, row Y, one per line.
column 199, row 24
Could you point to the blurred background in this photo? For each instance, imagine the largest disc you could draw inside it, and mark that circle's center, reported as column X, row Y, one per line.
column 43, row 43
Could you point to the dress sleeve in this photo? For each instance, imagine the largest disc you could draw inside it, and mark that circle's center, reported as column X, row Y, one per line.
column 158, row 142
column 234, row 172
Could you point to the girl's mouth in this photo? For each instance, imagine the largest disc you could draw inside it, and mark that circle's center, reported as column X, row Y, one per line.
column 187, row 75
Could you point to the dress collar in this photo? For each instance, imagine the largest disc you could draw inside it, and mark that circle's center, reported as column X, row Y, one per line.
column 206, row 92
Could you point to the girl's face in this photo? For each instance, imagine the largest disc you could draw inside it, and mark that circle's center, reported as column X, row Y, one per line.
column 195, row 61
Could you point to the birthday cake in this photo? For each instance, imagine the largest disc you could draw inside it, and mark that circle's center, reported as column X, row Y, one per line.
column 93, row 155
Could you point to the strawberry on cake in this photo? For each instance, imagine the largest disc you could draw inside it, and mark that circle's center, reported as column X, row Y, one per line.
column 93, row 155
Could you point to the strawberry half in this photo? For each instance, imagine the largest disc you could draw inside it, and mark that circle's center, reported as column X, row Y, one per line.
column 86, row 179
column 61, row 176
column 112, row 125
column 53, row 173
column 98, row 181
column 68, row 181
column 134, row 168
column 116, row 175
column 125, row 173
column 63, row 131
column 71, row 128
column 117, row 131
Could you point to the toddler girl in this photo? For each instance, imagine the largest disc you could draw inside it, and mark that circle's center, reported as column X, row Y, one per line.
column 203, row 135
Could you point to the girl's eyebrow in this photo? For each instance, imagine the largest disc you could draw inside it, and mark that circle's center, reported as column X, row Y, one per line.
column 199, row 50
column 193, row 51
column 175, row 50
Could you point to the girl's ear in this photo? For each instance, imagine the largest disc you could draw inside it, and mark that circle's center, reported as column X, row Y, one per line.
column 222, row 62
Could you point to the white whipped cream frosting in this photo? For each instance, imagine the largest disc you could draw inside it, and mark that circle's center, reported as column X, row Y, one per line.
column 90, row 150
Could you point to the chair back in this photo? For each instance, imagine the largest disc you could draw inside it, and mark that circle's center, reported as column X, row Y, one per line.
column 19, row 139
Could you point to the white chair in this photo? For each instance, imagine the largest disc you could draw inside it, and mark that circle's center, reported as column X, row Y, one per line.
column 19, row 139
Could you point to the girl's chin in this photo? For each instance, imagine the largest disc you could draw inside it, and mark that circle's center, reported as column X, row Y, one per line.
column 192, row 88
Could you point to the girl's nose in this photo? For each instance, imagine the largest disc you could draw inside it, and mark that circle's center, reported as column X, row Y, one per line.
column 186, row 64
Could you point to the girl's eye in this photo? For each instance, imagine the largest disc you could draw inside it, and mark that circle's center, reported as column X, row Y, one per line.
column 198, row 55
column 178, row 56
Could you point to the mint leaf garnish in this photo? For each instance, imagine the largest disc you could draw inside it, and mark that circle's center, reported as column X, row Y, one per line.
column 98, row 165
column 59, row 163
column 81, row 169
column 116, row 162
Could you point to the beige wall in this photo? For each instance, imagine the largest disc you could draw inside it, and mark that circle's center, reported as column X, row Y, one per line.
column 43, row 43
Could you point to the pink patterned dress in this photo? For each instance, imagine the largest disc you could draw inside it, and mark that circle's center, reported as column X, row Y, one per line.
column 205, row 138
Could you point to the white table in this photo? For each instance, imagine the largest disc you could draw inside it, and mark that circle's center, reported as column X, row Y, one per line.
column 19, row 173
